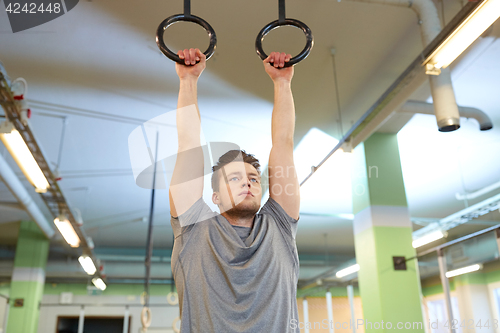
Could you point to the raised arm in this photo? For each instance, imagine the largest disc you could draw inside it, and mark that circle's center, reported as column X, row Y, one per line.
column 186, row 186
column 283, row 184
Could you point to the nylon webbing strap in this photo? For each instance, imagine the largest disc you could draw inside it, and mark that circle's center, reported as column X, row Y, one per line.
column 149, row 244
column 281, row 11
column 187, row 7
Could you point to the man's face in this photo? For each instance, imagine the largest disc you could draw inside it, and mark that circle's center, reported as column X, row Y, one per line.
column 239, row 189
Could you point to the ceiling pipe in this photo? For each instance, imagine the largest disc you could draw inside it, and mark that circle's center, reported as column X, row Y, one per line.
column 19, row 191
column 467, row 112
column 445, row 105
column 11, row 205
column 473, row 195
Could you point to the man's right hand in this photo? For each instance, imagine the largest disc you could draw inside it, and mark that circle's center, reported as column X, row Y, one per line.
column 191, row 69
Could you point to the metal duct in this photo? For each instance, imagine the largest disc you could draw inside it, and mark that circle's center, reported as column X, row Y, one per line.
column 23, row 197
column 467, row 112
column 445, row 105
column 477, row 193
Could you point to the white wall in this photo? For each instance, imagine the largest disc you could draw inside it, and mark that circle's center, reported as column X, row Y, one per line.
column 162, row 314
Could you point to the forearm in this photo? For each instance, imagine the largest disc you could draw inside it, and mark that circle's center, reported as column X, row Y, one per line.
column 186, row 185
column 283, row 183
column 188, row 120
column 283, row 118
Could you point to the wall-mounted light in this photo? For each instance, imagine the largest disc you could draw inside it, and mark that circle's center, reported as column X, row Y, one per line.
column 99, row 283
column 428, row 238
column 17, row 147
column 463, row 270
column 66, row 229
column 347, row 271
column 87, row 264
column 463, row 36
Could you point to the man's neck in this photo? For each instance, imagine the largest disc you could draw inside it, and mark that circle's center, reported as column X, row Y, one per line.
column 246, row 221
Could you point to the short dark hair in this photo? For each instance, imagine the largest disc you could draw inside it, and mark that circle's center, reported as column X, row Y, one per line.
column 232, row 156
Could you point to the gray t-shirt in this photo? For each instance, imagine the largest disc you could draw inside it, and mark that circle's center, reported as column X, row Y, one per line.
column 236, row 279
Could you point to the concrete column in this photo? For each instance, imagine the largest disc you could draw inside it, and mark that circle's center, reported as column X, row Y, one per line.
column 28, row 279
column 382, row 229
column 4, row 307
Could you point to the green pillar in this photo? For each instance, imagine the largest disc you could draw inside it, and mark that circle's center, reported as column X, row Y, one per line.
column 28, row 279
column 382, row 229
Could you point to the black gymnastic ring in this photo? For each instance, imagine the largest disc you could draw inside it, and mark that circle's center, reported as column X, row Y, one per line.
column 188, row 18
column 291, row 22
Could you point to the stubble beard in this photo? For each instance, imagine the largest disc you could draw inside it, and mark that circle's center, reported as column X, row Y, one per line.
column 244, row 210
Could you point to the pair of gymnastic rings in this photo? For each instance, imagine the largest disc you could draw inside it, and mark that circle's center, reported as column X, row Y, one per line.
column 282, row 21
column 146, row 316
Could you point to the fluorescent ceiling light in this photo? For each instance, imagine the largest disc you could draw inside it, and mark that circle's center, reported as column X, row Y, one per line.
column 87, row 264
column 347, row 271
column 463, row 270
column 23, row 157
column 346, row 216
column 67, row 231
column 429, row 238
column 465, row 34
column 99, row 283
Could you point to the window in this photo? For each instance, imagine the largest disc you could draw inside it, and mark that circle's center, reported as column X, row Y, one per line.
column 496, row 292
column 91, row 325
column 438, row 318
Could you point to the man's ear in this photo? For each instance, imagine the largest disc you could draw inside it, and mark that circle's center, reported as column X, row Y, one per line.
column 215, row 198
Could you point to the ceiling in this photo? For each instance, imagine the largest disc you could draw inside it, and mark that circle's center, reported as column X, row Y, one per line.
column 96, row 74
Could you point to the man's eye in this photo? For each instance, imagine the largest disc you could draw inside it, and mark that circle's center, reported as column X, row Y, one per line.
column 234, row 178
column 254, row 180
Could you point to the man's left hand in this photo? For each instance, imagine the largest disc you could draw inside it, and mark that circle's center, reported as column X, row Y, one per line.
column 274, row 65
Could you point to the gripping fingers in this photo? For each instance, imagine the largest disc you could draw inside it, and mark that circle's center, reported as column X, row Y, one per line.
column 186, row 57
column 282, row 59
column 271, row 59
column 199, row 55
column 277, row 59
column 192, row 56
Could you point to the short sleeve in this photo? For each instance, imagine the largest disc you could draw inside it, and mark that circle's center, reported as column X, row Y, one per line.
column 284, row 221
column 198, row 212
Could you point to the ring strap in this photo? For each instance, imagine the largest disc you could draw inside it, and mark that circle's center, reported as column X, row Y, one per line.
column 187, row 7
column 281, row 11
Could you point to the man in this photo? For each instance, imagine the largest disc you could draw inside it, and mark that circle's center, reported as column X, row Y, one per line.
column 236, row 271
